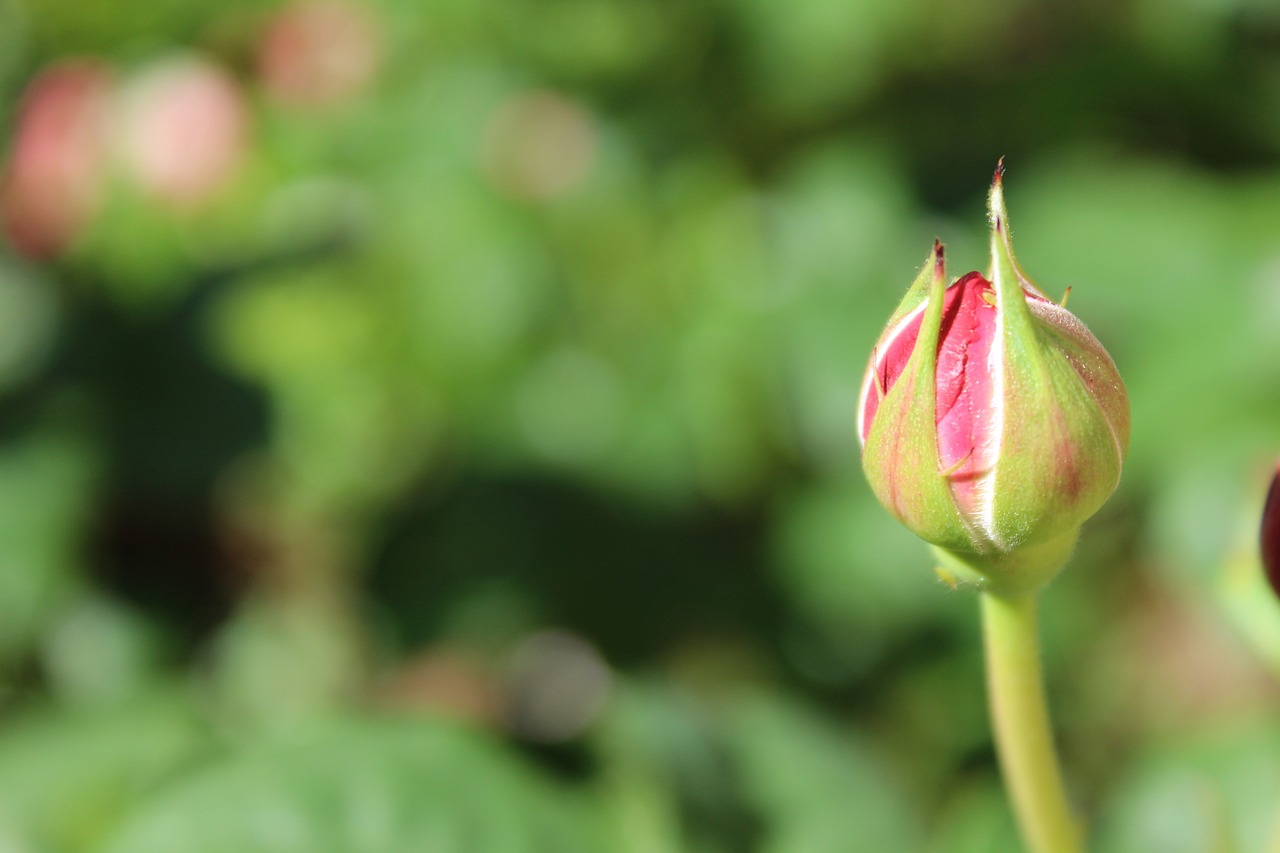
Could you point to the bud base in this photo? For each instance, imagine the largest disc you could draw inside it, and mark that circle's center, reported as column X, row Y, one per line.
column 1019, row 572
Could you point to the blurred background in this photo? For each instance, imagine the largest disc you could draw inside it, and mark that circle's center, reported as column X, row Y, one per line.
column 429, row 426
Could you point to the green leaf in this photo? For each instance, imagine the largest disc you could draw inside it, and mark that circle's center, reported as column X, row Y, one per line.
column 364, row 786
column 67, row 777
column 818, row 789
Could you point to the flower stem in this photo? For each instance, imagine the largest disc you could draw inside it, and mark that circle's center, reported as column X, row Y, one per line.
column 1020, row 719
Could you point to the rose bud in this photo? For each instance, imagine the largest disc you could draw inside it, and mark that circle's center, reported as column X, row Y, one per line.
column 992, row 421
column 320, row 53
column 51, row 185
column 183, row 130
column 1270, row 534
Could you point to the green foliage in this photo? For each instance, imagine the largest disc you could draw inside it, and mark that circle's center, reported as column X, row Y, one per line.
column 541, row 318
column 363, row 786
column 68, row 776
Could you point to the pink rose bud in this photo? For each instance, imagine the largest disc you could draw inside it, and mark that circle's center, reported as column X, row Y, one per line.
column 992, row 422
column 184, row 130
column 320, row 53
column 1270, row 534
column 51, row 185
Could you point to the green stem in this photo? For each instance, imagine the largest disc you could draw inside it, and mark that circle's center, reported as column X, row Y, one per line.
column 1020, row 719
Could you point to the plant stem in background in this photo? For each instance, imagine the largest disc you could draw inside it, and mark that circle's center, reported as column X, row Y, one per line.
column 1020, row 720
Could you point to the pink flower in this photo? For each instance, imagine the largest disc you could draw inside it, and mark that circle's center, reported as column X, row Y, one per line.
column 964, row 411
column 184, row 130
column 52, row 182
column 318, row 53
column 992, row 421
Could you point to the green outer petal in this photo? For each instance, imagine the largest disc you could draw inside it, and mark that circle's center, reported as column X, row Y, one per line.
column 918, row 292
column 1059, row 457
column 1059, row 461
column 1000, row 215
column 901, row 455
column 1093, row 364
column 916, row 295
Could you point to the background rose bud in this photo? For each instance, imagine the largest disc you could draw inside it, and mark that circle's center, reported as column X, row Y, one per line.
column 319, row 53
column 992, row 422
column 52, row 182
column 1270, row 534
column 184, row 129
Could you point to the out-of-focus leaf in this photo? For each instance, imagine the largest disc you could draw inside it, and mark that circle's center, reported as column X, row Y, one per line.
column 657, row 746
column 14, row 37
column 364, row 786
column 29, row 318
column 67, row 777
column 1216, row 792
column 813, row 55
column 816, row 787
column 854, row 577
column 278, row 662
column 593, row 39
column 976, row 820
column 97, row 652
column 43, row 494
column 833, row 217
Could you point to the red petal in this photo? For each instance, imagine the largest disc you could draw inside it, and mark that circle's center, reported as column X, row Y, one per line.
column 964, row 385
column 964, row 374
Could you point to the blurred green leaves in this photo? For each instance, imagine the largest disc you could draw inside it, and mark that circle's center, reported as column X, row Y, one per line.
column 489, row 321
column 364, row 786
column 818, row 788
column 44, row 484
column 67, row 776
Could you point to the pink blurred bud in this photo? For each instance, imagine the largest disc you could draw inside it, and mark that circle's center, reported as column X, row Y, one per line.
column 319, row 52
column 184, row 131
column 52, row 182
